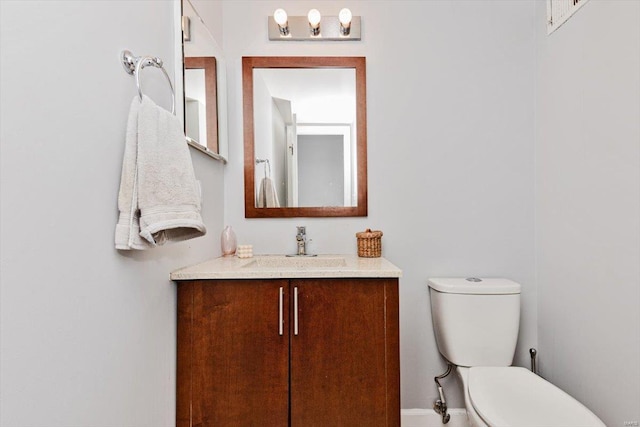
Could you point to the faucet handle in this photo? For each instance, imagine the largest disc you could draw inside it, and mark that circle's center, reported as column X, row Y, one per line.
column 302, row 230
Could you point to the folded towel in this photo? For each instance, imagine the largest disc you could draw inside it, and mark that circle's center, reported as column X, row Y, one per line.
column 267, row 196
column 159, row 198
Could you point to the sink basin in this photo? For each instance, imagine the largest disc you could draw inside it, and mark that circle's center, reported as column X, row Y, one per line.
column 281, row 261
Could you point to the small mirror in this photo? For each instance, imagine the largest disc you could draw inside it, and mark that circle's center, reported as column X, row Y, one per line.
column 204, row 86
column 305, row 136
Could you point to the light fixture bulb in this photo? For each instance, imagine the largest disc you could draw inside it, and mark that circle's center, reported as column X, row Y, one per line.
column 345, row 17
column 314, row 18
column 345, row 21
column 280, row 16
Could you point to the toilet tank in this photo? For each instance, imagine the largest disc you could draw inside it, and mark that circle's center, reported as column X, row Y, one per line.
column 475, row 321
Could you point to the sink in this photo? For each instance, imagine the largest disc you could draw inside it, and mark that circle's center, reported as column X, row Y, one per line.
column 282, row 261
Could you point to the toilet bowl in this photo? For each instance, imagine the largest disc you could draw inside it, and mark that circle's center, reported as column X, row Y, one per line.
column 476, row 324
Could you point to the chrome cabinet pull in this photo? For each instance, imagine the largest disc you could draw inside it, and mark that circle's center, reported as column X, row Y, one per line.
column 280, row 306
column 295, row 310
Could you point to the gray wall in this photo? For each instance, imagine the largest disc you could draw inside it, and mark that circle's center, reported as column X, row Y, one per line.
column 87, row 334
column 588, row 206
column 321, row 170
column 450, row 151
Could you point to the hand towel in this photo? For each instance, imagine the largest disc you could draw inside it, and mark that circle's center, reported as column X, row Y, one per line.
column 128, row 226
column 267, row 196
column 159, row 197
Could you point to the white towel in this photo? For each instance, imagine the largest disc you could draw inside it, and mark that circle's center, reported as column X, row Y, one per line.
column 159, row 198
column 267, row 196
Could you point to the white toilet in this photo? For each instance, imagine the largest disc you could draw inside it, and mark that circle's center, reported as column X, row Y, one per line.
column 476, row 324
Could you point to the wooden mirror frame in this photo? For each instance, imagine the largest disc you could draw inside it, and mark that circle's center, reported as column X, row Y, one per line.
column 208, row 63
column 248, row 65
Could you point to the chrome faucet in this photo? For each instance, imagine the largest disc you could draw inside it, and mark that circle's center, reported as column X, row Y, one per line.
column 301, row 238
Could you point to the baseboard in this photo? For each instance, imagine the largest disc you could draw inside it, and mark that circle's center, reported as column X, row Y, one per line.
column 429, row 418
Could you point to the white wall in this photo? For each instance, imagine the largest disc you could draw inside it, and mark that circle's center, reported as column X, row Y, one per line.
column 263, row 122
column 87, row 334
column 278, row 153
column 588, row 206
column 450, row 152
column 211, row 13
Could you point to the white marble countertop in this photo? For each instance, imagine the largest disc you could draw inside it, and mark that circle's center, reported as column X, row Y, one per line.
column 281, row 267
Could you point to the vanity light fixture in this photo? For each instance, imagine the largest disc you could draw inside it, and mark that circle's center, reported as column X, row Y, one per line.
column 343, row 27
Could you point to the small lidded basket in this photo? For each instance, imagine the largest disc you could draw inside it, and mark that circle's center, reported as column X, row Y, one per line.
column 369, row 243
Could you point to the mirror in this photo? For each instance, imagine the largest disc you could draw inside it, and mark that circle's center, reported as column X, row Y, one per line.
column 305, row 141
column 204, row 85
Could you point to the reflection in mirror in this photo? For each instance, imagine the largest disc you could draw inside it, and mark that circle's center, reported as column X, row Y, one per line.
column 308, row 138
column 305, row 136
column 204, row 85
column 200, row 101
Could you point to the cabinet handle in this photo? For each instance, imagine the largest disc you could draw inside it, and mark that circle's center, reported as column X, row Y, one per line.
column 295, row 310
column 280, row 306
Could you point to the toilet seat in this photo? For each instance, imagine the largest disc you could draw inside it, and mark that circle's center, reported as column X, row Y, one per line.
column 515, row 397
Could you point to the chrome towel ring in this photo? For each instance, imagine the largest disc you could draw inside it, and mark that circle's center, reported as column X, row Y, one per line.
column 134, row 64
column 266, row 165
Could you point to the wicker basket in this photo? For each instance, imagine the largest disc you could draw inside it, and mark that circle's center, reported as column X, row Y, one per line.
column 369, row 244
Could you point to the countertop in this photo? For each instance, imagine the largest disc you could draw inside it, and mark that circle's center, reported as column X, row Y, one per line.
column 281, row 267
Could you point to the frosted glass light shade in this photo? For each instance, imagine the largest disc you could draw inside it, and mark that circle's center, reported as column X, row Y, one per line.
column 280, row 16
column 345, row 17
column 314, row 18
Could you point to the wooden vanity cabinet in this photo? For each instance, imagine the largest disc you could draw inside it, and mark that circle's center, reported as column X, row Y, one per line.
column 336, row 362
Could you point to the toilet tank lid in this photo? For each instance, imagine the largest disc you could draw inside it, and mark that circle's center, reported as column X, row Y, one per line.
column 484, row 286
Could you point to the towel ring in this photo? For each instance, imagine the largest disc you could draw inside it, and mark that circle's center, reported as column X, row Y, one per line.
column 135, row 64
column 267, row 165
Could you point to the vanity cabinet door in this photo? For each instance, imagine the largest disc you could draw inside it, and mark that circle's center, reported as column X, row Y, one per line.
column 233, row 363
column 344, row 356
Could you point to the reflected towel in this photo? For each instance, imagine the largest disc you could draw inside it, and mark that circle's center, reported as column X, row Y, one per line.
column 159, row 198
column 267, row 196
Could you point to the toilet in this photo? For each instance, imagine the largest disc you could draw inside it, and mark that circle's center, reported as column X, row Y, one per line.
column 476, row 324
